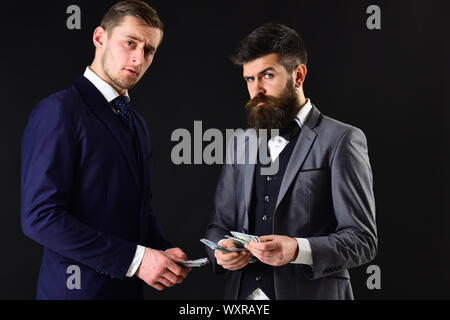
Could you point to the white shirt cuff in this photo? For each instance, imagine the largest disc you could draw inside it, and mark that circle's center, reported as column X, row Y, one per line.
column 304, row 252
column 136, row 261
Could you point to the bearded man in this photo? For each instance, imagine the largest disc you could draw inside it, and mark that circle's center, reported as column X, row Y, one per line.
column 315, row 217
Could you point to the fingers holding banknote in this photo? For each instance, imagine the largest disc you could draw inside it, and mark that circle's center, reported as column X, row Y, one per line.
column 159, row 270
column 176, row 254
column 234, row 260
column 274, row 250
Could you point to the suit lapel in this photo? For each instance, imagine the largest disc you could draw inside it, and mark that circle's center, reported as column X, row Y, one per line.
column 252, row 145
column 300, row 152
column 101, row 108
column 144, row 148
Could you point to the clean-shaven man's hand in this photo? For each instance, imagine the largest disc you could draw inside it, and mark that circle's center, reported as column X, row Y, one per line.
column 176, row 254
column 274, row 250
column 159, row 270
column 234, row 260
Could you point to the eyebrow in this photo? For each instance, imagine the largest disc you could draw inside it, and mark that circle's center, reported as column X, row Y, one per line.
column 148, row 47
column 262, row 72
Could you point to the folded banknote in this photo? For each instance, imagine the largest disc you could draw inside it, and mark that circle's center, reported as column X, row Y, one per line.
column 215, row 246
column 194, row 263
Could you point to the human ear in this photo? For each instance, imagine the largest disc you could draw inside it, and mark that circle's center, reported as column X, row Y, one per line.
column 99, row 37
column 300, row 75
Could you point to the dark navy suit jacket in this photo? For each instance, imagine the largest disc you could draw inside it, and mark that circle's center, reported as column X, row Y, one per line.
column 83, row 197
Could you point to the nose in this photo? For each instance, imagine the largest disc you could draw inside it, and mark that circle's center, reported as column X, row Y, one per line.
column 258, row 88
column 138, row 56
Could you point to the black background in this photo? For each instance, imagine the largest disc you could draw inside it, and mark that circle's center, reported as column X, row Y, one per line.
column 391, row 83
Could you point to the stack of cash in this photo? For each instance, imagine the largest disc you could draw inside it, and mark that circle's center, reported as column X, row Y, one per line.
column 241, row 239
column 215, row 246
column 194, row 263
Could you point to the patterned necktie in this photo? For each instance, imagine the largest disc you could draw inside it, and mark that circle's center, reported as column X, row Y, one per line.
column 122, row 105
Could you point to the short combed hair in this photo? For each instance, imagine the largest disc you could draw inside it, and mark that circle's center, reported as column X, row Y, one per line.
column 272, row 38
column 136, row 8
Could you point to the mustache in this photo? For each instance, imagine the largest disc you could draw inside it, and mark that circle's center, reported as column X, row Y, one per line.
column 267, row 100
column 269, row 112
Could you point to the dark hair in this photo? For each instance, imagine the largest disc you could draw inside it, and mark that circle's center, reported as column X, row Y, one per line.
column 135, row 8
column 272, row 38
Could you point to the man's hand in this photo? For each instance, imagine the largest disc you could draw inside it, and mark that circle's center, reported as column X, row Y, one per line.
column 274, row 250
column 159, row 270
column 176, row 254
column 234, row 260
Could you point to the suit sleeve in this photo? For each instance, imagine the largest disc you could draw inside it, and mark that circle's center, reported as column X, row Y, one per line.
column 224, row 208
column 355, row 239
column 49, row 166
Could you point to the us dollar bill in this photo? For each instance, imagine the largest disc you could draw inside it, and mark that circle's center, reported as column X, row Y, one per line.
column 194, row 263
column 216, row 246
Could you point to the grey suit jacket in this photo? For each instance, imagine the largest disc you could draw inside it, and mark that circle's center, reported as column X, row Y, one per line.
column 326, row 196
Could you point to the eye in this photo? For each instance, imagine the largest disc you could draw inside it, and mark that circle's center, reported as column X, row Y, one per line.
column 130, row 43
column 249, row 79
column 268, row 75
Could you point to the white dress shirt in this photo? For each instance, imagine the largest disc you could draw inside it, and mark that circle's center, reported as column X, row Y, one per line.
column 276, row 144
column 110, row 94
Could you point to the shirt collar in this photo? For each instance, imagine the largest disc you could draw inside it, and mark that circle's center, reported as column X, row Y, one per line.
column 304, row 113
column 105, row 88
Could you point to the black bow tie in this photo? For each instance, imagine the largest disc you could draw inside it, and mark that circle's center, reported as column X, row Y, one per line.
column 290, row 131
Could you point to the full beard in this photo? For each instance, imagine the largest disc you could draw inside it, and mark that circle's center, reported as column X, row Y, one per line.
column 274, row 113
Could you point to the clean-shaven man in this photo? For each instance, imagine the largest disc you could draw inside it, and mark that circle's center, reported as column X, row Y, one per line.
column 315, row 216
column 86, row 174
